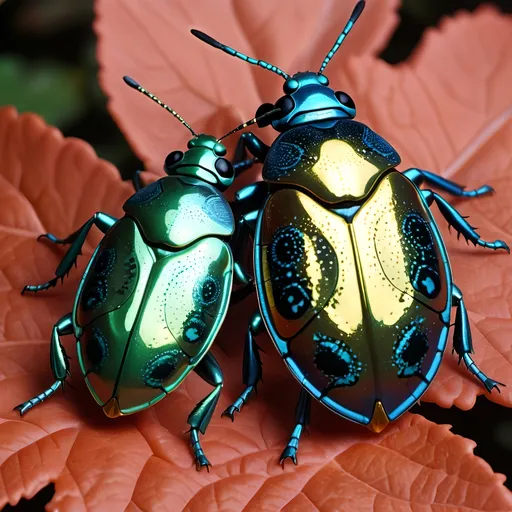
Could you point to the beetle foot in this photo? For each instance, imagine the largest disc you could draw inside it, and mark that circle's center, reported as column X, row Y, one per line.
column 485, row 189
column 290, row 452
column 202, row 461
column 40, row 287
column 230, row 411
column 52, row 238
column 490, row 384
column 23, row 407
column 497, row 244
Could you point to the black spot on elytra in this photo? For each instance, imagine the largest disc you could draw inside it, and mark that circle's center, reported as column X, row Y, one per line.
column 96, row 349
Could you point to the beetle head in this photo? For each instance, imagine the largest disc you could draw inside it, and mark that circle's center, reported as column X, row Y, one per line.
column 308, row 97
column 204, row 158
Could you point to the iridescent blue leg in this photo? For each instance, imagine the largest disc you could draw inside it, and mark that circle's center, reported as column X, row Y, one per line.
column 251, row 372
column 102, row 220
column 460, row 223
column 209, row 370
column 255, row 146
column 419, row 176
column 59, row 362
column 462, row 342
column 302, row 412
column 244, row 165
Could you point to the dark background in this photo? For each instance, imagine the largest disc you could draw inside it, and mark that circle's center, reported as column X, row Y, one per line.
column 48, row 66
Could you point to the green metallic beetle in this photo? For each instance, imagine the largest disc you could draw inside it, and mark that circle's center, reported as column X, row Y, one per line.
column 156, row 290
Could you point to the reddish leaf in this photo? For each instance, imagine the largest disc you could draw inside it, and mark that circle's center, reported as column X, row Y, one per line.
column 152, row 42
column 143, row 462
column 449, row 110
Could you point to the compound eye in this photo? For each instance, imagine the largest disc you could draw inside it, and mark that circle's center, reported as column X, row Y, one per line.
column 290, row 86
column 224, row 168
column 219, row 149
column 286, row 104
column 172, row 159
column 345, row 99
column 263, row 109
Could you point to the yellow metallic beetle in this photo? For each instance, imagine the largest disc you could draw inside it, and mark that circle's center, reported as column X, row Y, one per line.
column 351, row 272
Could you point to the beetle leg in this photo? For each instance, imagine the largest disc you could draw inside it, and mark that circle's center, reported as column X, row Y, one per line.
column 418, row 176
column 244, row 165
column 59, row 362
column 302, row 412
column 137, row 181
column 209, row 370
column 462, row 342
column 102, row 220
column 255, row 146
column 246, row 209
column 251, row 371
column 461, row 225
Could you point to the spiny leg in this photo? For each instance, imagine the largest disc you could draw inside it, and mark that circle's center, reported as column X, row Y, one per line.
column 462, row 342
column 461, row 225
column 302, row 412
column 59, row 362
column 251, row 372
column 209, row 370
column 418, row 176
column 102, row 220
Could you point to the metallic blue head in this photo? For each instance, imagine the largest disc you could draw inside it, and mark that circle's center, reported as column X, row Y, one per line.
column 308, row 98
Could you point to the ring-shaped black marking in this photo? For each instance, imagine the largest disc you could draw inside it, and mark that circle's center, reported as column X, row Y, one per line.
column 160, row 368
column 96, row 349
column 293, row 300
column 206, row 291
column 417, row 232
column 337, row 361
column 426, row 280
column 194, row 328
column 410, row 349
column 287, row 247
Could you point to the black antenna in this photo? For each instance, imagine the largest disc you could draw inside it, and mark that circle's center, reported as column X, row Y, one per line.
column 358, row 9
column 135, row 85
column 248, row 123
column 212, row 42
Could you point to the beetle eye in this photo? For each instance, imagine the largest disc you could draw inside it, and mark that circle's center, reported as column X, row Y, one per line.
column 224, row 167
column 172, row 159
column 345, row 99
column 286, row 104
column 290, row 86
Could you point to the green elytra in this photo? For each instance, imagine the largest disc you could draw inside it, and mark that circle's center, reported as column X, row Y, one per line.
column 156, row 290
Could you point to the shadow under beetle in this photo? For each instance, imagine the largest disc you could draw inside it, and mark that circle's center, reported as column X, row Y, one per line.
column 156, row 290
column 352, row 275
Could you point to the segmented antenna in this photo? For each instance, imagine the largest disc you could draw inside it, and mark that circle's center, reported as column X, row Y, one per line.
column 358, row 9
column 248, row 123
column 135, row 85
column 212, row 42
